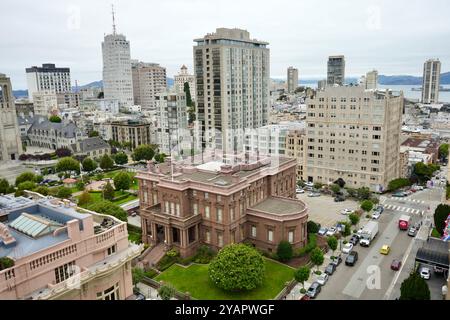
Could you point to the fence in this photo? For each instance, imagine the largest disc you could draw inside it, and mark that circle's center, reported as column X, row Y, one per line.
column 288, row 288
column 156, row 284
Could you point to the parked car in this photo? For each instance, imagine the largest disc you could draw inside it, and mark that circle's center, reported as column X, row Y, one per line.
column 322, row 231
column 305, row 297
column 330, row 269
column 380, row 209
column 418, row 188
column 339, row 199
column 314, row 290
column 425, row 273
column 376, row 215
column 322, row 279
column 346, row 212
column 400, row 194
column 309, row 184
column 385, row 249
column 351, row 258
column 313, row 194
column 412, row 231
column 299, row 191
column 331, row 232
column 336, row 260
column 396, row 264
column 347, row 248
column 354, row 240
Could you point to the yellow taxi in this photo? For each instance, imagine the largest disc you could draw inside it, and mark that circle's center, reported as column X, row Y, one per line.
column 385, row 249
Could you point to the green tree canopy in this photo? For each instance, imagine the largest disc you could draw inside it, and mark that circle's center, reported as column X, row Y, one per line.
column 364, row 193
column 414, row 288
column 302, row 274
column 89, row 165
column 332, row 243
column 122, row 181
column 4, row 186
column 27, row 185
column 121, row 158
column 137, row 275
column 106, row 162
column 55, row 119
column 284, row 251
column 64, row 193
column 143, row 152
column 367, row 205
column 93, row 134
column 166, row 292
column 67, row 164
column 41, row 190
column 84, row 199
column 109, row 208
column 440, row 217
column 23, row 177
column 398, row 183
column 187, row 91
column 354, row 219
column 312, row 227
column 108, row 192
column 237, row 267
column 443, row 151
column 335, row 188
column 317, row 257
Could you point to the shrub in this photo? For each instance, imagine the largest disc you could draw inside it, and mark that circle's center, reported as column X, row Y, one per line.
column 166, row 292
column 137, row 275
column 414, row 288
column 122, row 181
column 89, row 165
column 237, row 267
column 6, row 263
column 4, row 186
column 121, row 158
column 55, row 119
column 109, row 208
column 284, row 251
column 398, row 183
column 172, row 253
column 143, row 152
column 41, row 190
column 106, row 162
column 84, row 199
column 108, row 192
column 312, row 243
column 25, row 177
column 440, row 217
column 312, row 227
column 64, row 193
column 367, row 205
column 63, row 152
column 204, row 255
column 151, row 273
column 302, row 290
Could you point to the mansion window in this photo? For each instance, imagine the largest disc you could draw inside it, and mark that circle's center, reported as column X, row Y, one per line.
column 270, row 235
column 291, row 237
column 219, row 214
column 64, row 272
column 207, row 212
column 109, row 294
column 253, row 231
column 208, row 236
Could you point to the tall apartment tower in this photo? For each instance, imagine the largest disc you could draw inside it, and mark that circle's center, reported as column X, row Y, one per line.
column 48, row 78
column 10, row 143
column 184, row 77
column 292, row 79
column 117, row 78
column 353, row 134
column 149, row 80
column 431, row 79
column 372, row 80
column 232, row 74
column 336, row 70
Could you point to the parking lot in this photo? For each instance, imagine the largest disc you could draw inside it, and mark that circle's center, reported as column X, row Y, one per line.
column 324, row 210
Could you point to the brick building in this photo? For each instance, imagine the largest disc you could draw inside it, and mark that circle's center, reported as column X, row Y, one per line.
column 217, row 204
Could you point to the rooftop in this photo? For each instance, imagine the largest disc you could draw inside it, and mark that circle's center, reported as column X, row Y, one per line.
column 280, row 206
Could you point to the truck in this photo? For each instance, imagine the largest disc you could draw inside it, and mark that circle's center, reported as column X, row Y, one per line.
column 368, row 233
column 403, row 222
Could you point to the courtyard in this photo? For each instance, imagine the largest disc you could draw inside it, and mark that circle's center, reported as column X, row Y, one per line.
column 195, row 280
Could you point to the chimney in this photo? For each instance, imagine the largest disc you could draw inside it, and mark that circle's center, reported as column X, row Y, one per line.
column 6, row 236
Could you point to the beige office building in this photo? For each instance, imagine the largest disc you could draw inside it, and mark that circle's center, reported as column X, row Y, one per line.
column 431, row 80
column 354, row 134
column 232, row 75
column 149, row 80
column 296, row 148
column 292, row 79
column 184, row 77
column 10, row 143
column 372, row 80
column 45, row 103
column 132, row 131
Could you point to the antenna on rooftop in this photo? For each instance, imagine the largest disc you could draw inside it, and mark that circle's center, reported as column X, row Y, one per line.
column 114, row 20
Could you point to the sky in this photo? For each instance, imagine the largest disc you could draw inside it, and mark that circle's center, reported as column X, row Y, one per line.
column 394, row 37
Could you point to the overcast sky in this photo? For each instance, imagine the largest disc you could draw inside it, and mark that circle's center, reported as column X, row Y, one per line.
column 395, row 37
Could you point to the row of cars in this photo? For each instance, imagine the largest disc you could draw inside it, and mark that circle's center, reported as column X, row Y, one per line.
column 407, row 192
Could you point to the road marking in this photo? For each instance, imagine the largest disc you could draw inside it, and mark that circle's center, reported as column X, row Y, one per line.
column 409, row 209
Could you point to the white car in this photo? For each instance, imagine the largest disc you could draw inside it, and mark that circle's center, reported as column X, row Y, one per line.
column 300, row 191
column 346, row 212
column 331, row 232
column 425, row 273
column 376, row 215
column 309, row 184
column 322, row 279
column 347, row 248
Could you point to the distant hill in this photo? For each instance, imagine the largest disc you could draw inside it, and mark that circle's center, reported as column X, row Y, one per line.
column 410, row 80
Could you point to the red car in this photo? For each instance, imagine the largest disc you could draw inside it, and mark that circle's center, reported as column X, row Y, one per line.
column 396, row 264
column 305, row 297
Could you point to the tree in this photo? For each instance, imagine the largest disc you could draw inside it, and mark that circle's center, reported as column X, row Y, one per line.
column 364, row 193
column 93, row 134
column 414, row 288
column 84, row 199
column 41, row 190
column 109, row 208
column 441, row 215
column 187, row 91
column 443, row 151
column 332, row 243
column 335, row 188
column 4, row 186
column 237, row 267
column 27, row 185
column 64, row 193
column 89, row 165
column 23, row 177
column 317, row 257
column 106, row 162
column 348, row 228
column 367, row 205
column 121, row 158
column 398, row 183
column 67, row 164
column 166, row 292
column 6, row 263
column 318, row 185
column 354, row 219
column 122, row 181
column 143, row 152
column 80, row 185
column 55, row 119
column 340, row 182
column 63, row 153
column 108, row 192
column 137, row 275
column 302, row 274
column 284, row 251
column 312, row 227
column 160, row 157
column 425, row 172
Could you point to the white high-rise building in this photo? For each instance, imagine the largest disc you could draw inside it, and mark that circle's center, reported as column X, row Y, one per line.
column 372, row 79
column 10, row 143
column 232, row 75
column 184, row 77
column 48, row 78
column 149, row 79
column 431, row 80
column 117, row 77
column 45, row 103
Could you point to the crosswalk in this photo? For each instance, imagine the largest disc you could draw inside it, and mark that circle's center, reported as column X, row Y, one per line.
column 405, row 209
column 416, row 201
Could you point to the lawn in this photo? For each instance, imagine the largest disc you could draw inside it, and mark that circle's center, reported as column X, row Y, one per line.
column 97, row 196
column 195, row 280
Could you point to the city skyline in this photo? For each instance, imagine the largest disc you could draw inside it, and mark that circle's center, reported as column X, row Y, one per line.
column 73, row 38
